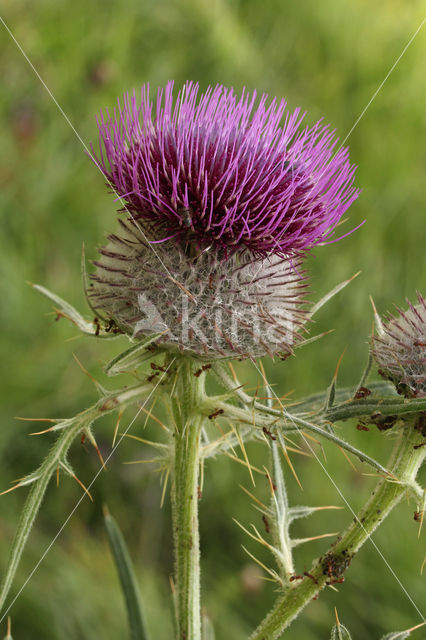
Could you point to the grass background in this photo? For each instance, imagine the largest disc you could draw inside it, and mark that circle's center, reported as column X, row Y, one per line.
column 329, row 58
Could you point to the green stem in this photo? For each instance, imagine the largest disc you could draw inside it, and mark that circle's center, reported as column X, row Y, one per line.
column 404, row 465
column 186, row 399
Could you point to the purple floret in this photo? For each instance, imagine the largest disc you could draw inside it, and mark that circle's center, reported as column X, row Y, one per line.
column 220, row 172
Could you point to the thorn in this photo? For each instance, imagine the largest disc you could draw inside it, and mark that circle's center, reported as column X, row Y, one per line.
column 418, row 626
column 262, row 369
column 172, row 585
column 117, row 424
column 95, row 445
column 312, row 538
column 9, row 628
column 311, row 437
column 272, row 573
column 253, row 497
column 39, row 433
column 89, row 375
column 237, row 459
column 151, row 443
column 36, row 419
column 20, row 484
column 234, row 375
column 339, row 362
column 290, row 464
column 377, row 319
column 244, row 452
column 299, row 451
column 277, row 399
column 256, row 391
column 422, row 516
column 149, row 414
column 165, row 483
column 86, row 491
column 148, row 461
column 423, row 565
column 348, row 459
column 57, row 476
column 337, row 617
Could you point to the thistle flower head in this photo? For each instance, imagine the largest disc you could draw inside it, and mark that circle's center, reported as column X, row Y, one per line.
column 215, row 170
column 223, row 197
column 400, row 351
column 242, row 307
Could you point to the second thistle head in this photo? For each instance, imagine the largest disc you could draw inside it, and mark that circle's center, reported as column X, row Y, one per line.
column 223, row 196
column 400, row 350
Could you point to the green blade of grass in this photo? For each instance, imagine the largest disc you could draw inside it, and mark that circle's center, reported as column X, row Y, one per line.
column 127, row 578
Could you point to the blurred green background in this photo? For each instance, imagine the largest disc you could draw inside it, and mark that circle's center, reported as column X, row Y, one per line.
column 327, row 57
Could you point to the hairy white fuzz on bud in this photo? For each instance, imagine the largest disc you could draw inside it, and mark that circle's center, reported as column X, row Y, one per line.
column 401, row 351
column 212, row 307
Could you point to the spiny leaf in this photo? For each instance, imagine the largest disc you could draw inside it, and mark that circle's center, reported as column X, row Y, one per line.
column 401, row 635
column 298, row 541
column 127, row 578
column 303, row 343
column 68, row 469
column 68, row 311
column 339, row 632
column 331, row 294
column 48, row 468
column 332, row 388
column 133, row 357
column 304, row 512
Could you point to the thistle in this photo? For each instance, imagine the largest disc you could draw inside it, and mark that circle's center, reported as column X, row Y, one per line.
column 222, row 203
column 400, row 350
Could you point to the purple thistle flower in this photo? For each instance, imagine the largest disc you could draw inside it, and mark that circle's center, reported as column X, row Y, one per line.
column 221, row 172
column 400, row 350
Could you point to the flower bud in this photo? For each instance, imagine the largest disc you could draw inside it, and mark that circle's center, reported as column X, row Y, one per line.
column 400, row 350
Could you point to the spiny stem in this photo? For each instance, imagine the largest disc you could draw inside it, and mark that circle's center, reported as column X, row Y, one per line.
column 287, row 422
column 404, row 464
column 69, row 430
column 188, row 423
column 32, row 505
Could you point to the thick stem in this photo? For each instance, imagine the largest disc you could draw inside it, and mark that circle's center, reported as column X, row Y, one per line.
column 187, row 397
column 404, row 464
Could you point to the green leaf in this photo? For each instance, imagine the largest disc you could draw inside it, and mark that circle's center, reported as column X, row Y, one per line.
column 339, row 632
column 127, row 578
